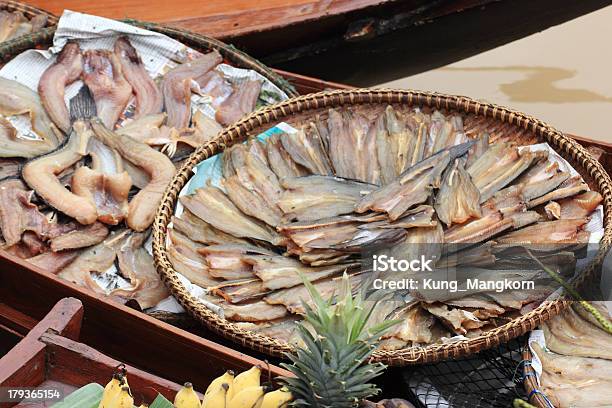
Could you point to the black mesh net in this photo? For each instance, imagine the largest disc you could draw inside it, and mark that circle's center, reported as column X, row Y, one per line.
column 489, row 379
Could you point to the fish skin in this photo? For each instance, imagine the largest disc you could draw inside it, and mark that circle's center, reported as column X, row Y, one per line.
column 341, row 149
column 280, row 160
column 240, row 103
column 53, row 82
column 176, row 87
column 148, row 96
column 136, row 265
column 418, row 153
column 80, row 237
column 306, row 148
column 209, row 203
column 141, row 209
column 40, row 175
column 458, row 198
column 402, row 141
column 103, row 75
column 314, row 197
column 365, row 164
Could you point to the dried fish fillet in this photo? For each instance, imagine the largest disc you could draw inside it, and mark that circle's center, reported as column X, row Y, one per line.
column 458, row 199
column 458, row 320
column 103, row 75
column 199, row 231
column 565, row 334
column 184, row 257
column 568, row 188
column 241, row 290
column 41, row 175
column 250, row 202
column 17, row 213
column 579, row 206
column 142, row 207
column 240, row 103
column 306, row 148
column 80, row 237
column 315, row 197
column 253, row 312
column 212, row 205
column 53, row 82
column 53, row 262
column 148, row 96
column 280, row 160
column 176, row 87
column 136, row 265
column 545, row 232
column 413, row 187
column 230, row 261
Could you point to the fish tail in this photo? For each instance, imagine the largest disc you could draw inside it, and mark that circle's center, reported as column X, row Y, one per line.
column 82, row 106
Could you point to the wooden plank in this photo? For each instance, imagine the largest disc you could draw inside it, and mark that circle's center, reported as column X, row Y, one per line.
column 123, row 333
column 64, row 319
column 77, row 364
column 15, row 320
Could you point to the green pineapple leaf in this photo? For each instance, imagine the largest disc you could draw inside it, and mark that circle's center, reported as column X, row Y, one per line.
column 332, row 369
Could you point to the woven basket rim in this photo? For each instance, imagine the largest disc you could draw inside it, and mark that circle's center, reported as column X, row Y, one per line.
column 530, row 382
column 273, row 113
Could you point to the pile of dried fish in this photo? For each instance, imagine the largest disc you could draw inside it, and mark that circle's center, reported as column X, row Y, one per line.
column 577, row 361
column 74, row 178
column 14, row 24
column 321, row 200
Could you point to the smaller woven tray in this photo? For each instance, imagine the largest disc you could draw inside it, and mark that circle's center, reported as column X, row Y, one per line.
column 29, row 12
column 496, row 120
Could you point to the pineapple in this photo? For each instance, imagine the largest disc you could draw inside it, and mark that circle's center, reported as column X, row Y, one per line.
column 331, row 370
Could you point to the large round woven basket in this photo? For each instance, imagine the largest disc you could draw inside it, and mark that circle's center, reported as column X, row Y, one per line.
column 29, row 12
column 235, row 57
column 496, row 120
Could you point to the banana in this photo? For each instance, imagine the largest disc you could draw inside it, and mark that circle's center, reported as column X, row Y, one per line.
column 247, row 398
column 277, row 399
column 216, row 398
column 143, row 405
column 123, row 399
column 226, row 378
column 111, row 390
column 246, row 379
column 187, row 397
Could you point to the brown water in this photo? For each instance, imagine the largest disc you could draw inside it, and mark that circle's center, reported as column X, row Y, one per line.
column 562, row 75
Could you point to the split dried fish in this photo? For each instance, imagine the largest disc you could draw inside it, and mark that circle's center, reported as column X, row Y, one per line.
column 199, row 231
column 103, row 75
column 315, row 197
column 148, row 96
column 67, row 68
column 240, row 103
column 394, row 145
column 231, row 261
column 53, row 262
column 184, row 256
column 17, row 213
column 280, row 160
column 458, row 198
column 305, row 147
column 176, row 87
column 79, row 237
column 254, row 312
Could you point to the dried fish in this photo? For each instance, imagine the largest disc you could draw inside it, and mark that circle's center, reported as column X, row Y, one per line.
column 41, row 175
column 142, row 207
column 413, row 187
column 212, row 205
column 250, row 202
column 17, row 213
column 136, row 265
column 199, row 231
column 241, row 290
column 458, row 320
column 184, row 257
column 545, row 233
column 306, row 149
column 148, row 96
column 53, row 82
column 254, row 312
column 579, row 206
column 216, row 86
column 458, row 198
column 231, row 261
column 570, row 187
column 315, row 197
column 53, row 262
column 176, row 87
column 280, row 161
column 80, row 237
column 103, row 75
column 240, row 103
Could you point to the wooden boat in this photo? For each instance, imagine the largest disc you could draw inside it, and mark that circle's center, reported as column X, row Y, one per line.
column 369, row 41
column 51, row 355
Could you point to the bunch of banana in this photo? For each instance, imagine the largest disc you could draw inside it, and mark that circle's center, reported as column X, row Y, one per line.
column 243, row 391
column 117, row 393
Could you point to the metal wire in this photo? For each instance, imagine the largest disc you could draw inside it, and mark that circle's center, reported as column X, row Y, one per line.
column 489, row 379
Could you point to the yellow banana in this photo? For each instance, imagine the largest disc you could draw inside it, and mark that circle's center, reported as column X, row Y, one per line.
column 187, row 397
column 247, row 398
column 143, row 405
column 216, row 399
column 123, row 399
column 226, row 378
column 111, row 390
column 277, row 399
column 246, row 379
